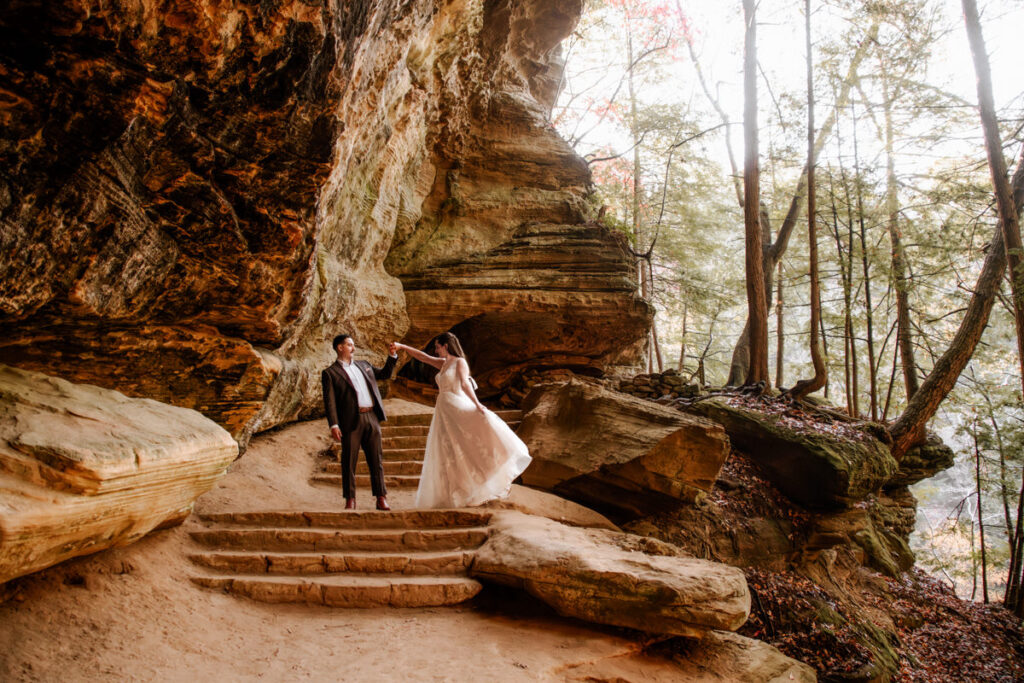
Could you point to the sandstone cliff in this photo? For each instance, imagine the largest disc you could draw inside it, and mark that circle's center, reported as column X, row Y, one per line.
column 194, row 197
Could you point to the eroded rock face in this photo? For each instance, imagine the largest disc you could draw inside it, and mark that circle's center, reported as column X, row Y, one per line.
column 616, row 452
column 195, row 197
column 609, row 577
column 922, row 462
column 867, row 529
column 84, row 468
column 553, row 295
column 815, row 469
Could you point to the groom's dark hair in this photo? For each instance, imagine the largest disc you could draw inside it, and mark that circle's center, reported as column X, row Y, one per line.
column 339, row 340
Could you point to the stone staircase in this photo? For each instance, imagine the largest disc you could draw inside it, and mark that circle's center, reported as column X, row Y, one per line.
column 407, row 558
column 404, row 442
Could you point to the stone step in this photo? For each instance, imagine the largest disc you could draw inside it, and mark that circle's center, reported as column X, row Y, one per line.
column 313, row 563
column 413, row 430
column 423, row 419
column 348, row 590
column 404, row 454
column 353, row 519
column 404, row 442
column 388, row 453
column 351, row 540
column 417, row 420
column 396, row 481
column 390, row 467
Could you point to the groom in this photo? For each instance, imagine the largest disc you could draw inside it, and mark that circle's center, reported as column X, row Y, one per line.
column 354, row 412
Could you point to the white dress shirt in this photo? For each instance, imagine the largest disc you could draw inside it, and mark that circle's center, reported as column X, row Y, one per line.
column 359, row 383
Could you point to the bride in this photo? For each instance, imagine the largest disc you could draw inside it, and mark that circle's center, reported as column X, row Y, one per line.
column 472, row 456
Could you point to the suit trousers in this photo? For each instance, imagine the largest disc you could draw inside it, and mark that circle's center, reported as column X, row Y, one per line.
column 365, row 435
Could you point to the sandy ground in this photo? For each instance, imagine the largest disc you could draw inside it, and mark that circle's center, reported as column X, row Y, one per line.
column 131, row 614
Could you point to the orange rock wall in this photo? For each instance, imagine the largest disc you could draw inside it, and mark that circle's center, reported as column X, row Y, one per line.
column 196, row 196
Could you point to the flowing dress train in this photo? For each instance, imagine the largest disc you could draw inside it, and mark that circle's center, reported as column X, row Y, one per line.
column 471, row 457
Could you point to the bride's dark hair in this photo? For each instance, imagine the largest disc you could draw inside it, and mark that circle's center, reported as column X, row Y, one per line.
column 452, row 343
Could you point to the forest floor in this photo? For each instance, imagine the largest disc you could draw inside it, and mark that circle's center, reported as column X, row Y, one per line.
column 934, row 636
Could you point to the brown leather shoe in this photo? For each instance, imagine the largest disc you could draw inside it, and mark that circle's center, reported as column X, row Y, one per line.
column 350, row 503
column 382, row 503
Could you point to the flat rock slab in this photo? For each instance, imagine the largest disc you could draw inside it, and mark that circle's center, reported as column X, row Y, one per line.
column 544, row 504
column 617, row 453
column 815, row 469
column 611, row 577
column 722, row 656
column 84, row 468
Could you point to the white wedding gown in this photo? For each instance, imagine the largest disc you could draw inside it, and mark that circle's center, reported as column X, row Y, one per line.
column 471, row 457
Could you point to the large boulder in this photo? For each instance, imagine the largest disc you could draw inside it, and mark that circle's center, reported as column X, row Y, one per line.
column 813, row 467
column 722, row 656
column 84, row 468
column 615, row 452
column 611, row 577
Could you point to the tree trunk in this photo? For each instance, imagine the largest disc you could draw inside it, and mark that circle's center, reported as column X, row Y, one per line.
column 1008, row 212
column 654, row 326
column 868, row 311
column 682, row 344
column 807, row 386
column 845, row 276
column 638, row 237
column 1015, row 575
column 908, row 429
column 899, row 259
column 892, row 378
column 981, row 519
column 851, row 334
column 855, row 389
column 1004, row 493
column 657, row 347
column 780, row 338
column 740, row 364
column 757, row 307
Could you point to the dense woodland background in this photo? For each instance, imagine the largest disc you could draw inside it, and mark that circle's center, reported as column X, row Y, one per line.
column 904, row 211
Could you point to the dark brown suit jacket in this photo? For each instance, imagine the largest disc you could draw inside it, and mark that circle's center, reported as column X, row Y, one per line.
column 340, row 402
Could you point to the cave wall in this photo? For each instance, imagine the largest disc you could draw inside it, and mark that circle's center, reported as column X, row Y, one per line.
column 196, row 196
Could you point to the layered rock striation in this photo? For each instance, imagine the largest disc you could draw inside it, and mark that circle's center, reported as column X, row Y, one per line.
column 195, row 197
column 84, row 468
column 552, row 296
